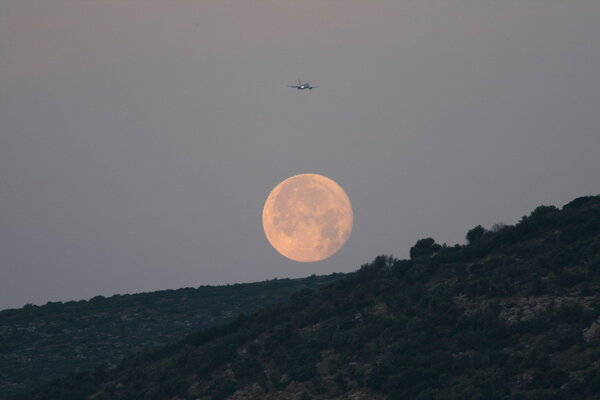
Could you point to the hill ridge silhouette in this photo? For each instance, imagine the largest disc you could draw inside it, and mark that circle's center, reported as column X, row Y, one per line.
column 43, row 342
column 513, row 314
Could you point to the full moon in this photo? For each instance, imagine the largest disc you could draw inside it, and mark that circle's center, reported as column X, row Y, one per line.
column 307, row 217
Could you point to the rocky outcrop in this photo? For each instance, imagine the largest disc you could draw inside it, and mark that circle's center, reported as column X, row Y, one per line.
column 591, row 334
column 522, row 309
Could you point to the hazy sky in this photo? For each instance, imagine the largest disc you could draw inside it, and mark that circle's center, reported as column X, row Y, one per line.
column 139, row 139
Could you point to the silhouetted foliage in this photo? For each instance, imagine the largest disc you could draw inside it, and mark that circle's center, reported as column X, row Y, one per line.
column 475, row 234
column 424, row 247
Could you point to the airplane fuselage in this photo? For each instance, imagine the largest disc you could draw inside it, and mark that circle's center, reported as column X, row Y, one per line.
column 302, row 86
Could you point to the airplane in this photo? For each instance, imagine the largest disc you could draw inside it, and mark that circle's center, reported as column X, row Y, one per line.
column 302, row 86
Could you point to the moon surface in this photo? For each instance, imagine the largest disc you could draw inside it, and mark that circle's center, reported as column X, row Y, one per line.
column 307, row 217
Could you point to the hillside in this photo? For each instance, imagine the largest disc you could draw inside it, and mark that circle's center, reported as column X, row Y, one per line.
column 41, row 342
column 514, row 314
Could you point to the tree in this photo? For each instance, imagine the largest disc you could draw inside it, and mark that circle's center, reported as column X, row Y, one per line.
column 475, row 234
column 424, row 247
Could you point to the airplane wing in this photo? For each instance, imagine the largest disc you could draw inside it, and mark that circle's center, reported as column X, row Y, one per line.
column 295, row 87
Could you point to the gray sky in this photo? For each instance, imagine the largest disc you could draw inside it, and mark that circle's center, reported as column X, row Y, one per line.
column 139, row 139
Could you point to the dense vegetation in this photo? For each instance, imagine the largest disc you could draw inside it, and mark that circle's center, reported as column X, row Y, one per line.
column 514, row 314
column 38, row 343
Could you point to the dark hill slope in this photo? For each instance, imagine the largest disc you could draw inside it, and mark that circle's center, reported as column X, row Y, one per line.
column 38, row 343
column 512, row 315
